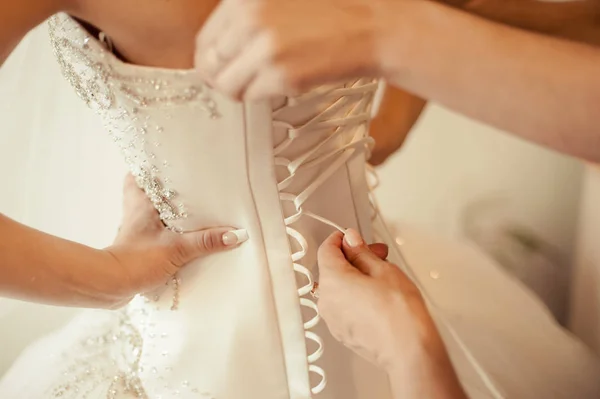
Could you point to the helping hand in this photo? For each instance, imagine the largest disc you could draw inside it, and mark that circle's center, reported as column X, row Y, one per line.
column 147, row 254
column 369, row 304
column 253, row 49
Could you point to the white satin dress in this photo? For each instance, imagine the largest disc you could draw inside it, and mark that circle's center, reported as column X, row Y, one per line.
column 242, row 324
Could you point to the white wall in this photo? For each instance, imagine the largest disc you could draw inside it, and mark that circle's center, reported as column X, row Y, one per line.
column 451, row 161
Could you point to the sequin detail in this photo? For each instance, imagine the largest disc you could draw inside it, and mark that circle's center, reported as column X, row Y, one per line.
column 93, row 370
column 122, row 96
column 110, row 362
column 160, row 196
column 90, row 68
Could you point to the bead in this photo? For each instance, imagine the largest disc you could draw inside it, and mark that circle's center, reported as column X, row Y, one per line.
column 109, row 362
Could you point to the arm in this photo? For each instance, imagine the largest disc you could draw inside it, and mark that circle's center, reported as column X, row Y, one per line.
column 429, row 374
column 38, row 267
column 577, row 20
column 543, row 89
column 42, row 268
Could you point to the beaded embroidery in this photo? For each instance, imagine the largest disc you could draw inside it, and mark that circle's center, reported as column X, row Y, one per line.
column 93, row 367
column 159, row 196
column 121, row 99
column 115, row 370
column 120, row 95
column 89, row 68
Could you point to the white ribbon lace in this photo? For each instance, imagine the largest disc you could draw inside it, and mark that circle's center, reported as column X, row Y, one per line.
column 355, row 122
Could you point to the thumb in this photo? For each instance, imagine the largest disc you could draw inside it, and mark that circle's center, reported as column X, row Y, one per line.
column 330, row 257
column 361, row 256
column 189, row 246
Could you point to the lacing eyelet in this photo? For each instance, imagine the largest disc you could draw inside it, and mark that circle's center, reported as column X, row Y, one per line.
column 357, row 115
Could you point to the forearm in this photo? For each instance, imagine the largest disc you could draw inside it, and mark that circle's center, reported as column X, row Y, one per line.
column 578, row 20
column 38, row 267
column 429, row 375
column 518, row 81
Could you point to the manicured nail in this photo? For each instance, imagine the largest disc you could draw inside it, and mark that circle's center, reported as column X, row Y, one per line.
column 353, row 238
column 235, row 237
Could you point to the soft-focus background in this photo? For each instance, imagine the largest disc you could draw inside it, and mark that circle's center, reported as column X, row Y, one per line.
column 535, row 212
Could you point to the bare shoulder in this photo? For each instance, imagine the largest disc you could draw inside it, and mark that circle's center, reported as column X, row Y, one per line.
column 19, row 17
column 155, row 32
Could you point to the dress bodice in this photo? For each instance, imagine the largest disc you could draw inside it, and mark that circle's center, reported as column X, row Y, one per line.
column 241, row 324
column 288, row 171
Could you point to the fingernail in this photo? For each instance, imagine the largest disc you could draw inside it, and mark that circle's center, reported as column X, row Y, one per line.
column 353, row 238
column 235, row 237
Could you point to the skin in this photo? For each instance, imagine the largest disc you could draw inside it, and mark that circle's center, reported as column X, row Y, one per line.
column 38, row 267
column 539, row 87
column 257, row 49
column 575, row 20
column 400, row 336
column 139, row 39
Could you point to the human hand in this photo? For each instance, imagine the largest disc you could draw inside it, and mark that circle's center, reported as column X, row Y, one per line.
column 253, row 49
column 370, row 305
column 145, row 254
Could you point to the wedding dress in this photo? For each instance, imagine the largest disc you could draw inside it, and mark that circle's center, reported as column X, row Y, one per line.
column 242, row 324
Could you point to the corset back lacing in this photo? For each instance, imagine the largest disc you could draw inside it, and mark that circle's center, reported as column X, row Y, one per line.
column 356, row 117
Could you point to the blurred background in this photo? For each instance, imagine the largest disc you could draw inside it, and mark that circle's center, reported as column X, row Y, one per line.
column 535, row 212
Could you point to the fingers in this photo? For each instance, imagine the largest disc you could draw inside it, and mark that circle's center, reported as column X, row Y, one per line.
column 235, row 54
column 225, row 42
column 132, row 194
column 361, row 256
column 240, row 70
column 189, row 246
column 268, row 82
column 379, row 249
column 330, row 257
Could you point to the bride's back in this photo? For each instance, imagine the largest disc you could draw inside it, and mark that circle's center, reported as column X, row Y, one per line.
column 155, row 33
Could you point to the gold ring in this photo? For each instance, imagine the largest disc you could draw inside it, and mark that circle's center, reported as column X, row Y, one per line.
column 315, row 290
